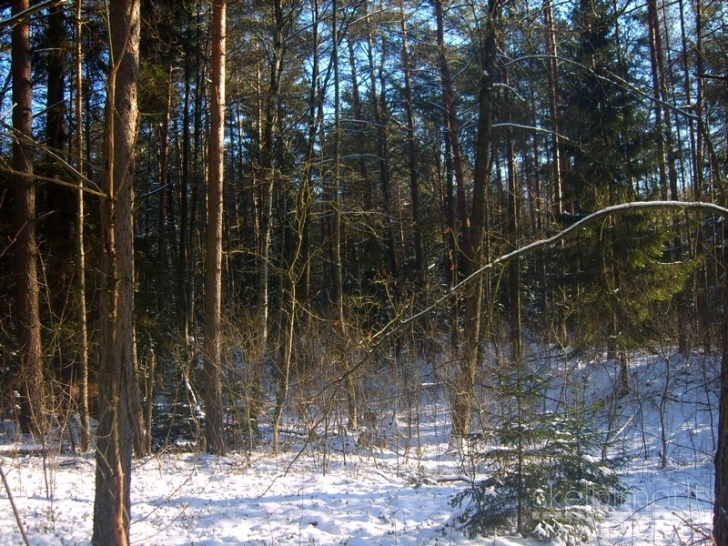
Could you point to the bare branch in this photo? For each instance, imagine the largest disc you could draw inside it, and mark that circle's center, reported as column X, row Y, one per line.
column 551, row 241
column 23, row 15
column 18, row 519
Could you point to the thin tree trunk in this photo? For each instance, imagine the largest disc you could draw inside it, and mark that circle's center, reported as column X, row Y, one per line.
column 268, row 164
column 117, row 367
column 164, row 174
column 381, row 120
column 658, row 71
column 58, row 227
column 359, row 129
column 514, row 268
column 182, row 265
column 304, row 202
column 214, row 431
column 343, row 353
column 553, row 81
column 85, row 439
column 463, row 383
column 472, row 225
column 452, row 133
column 412, row 163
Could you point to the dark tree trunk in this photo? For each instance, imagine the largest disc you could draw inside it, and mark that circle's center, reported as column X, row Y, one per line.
column 720, row 506
column 27, row 312
column 380, row 113
column 412, row 163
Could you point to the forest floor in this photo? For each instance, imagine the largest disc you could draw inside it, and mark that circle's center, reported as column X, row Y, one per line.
column 398, row 493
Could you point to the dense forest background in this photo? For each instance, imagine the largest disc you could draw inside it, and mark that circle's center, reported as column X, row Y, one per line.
column 378, row 156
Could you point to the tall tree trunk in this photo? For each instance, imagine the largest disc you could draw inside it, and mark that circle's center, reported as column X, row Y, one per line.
column 473, row 223
column 58, row 203
column 702, row 185
column 182, row 281
column 343, row 353
column 85, row 438
column 359, row 129
column 27, row 312
column 270, row 135
column 412, row 162
column 720, row 504
column 164, row 192
column 463, row 383
column 452, row 133
column 378, row 105
column 514, row 267
column 451, row 258
column 305, row 195
column 666, row 153
column 214, row 431
column 479, row 213
column 553, row 81
column 270, row 175
column 658, row 70
column 117, row 366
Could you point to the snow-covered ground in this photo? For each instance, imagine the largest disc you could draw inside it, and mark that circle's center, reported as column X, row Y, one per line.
column 345, row 494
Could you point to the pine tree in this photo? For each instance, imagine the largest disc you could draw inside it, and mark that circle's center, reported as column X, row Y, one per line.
column 546, row 478
column 617, row 269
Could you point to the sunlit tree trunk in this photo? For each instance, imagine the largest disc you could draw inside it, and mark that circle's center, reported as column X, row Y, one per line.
column 462, row 385
column 85, row 437
column 473, row 221
column 27, row 312
column 343, row 352
column 214, row 432
column 117, row 366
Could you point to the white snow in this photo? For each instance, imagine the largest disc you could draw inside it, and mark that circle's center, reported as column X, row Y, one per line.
column 381, row 496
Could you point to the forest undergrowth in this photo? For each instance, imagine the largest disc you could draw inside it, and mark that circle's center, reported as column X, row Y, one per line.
column 393, row 480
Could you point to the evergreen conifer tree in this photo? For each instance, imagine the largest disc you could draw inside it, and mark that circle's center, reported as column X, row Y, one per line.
column 546, row 477
column 617, row 269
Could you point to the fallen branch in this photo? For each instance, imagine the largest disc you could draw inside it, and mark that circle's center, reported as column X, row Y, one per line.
column 15, row 508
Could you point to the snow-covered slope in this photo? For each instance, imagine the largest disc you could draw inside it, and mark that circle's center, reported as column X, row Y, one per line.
column 340, row 493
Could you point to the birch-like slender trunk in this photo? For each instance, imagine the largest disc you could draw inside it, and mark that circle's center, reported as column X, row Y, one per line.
column 212, row 354
column 85, row 437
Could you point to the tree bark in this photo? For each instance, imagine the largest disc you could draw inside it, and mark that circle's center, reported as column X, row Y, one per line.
column 411, row 147
column 720, row 505
column 553, row 82
column 381, row 116
column 117, row 366
column 452, row 132
column 214, row 431
column 85, row 439
column 463, row 383
column 27, row 311
column 473, row 223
